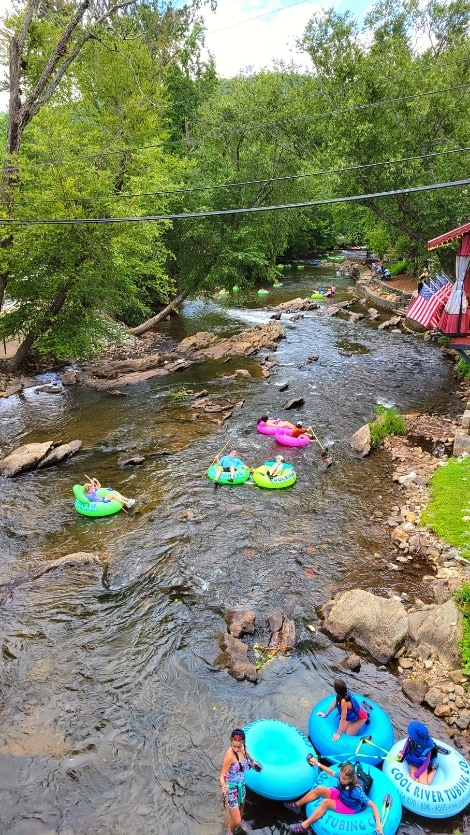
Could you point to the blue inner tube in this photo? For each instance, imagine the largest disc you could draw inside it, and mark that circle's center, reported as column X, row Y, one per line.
column 383, row 793
column 379, row 727
column 449, row 792
column 86, row 508
column 241, row 475
column 282, row 751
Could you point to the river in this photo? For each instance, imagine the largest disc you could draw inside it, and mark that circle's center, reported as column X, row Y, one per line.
column 115, row 711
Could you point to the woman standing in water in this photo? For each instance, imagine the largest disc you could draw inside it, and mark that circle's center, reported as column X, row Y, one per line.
column 232, row 777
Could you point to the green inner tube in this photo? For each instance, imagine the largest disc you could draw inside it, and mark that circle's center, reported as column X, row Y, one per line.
column 235, row 288
column 241, row 475
column 223, row 293
column 278, row 284
column 317, row 295
column 87, row 508
column 287, row 477
column 263, row 292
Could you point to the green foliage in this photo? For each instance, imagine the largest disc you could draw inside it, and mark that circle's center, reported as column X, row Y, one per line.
column 462, row 367
column 387, row 422
column 378, row 239
column 399, row 268
column 401, row 53
column 181, row 394
column 175, row 139
column 449, row 506
column 462, row 597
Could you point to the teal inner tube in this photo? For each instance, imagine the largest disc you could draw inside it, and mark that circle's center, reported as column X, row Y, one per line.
column 241, row 475
column 282, row 751
column 287, row 477
column 86, row 508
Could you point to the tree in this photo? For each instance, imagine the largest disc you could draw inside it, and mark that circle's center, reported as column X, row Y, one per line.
column 113, row 99
column 376, row 85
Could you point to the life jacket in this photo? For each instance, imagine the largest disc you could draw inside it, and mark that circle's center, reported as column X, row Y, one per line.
column 353, row 711
column 348, row 796
column 418, row 744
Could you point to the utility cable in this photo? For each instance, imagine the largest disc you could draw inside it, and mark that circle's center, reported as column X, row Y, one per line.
column 257, row 17
column 223, row 212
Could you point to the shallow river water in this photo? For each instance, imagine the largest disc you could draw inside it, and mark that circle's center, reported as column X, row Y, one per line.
column 115, row 711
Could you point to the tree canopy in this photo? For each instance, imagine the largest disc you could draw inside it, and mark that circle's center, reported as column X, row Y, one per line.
column 114, row 114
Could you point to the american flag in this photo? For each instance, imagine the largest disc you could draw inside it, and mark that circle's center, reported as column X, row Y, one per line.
column 429, row 303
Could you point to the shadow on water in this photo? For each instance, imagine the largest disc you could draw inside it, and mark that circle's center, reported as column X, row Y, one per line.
column 115, row 711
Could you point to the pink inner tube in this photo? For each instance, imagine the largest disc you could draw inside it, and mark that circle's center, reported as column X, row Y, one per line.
column 282, row 437
column 268, row 430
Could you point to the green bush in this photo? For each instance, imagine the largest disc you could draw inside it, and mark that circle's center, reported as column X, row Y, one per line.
column 398, row 268
column 462, row 368
column 387, row 422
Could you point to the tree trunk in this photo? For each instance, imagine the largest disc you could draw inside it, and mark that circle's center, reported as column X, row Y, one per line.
column 12, row 365
column 145, row 326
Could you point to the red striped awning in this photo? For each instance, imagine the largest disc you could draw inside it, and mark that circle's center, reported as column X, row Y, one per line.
column 442, row 240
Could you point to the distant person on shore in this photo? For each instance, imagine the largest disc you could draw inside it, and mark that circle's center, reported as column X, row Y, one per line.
column 352, row 716
column 228, row 464
column 92, row 485
column 420, row 753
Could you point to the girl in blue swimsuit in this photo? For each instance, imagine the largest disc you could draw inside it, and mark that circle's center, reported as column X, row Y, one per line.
column 232, row 777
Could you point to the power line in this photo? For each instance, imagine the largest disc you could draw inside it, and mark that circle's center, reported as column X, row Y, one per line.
column 238, row 184
column 262, row 125
column 222, row 212
column 256, row 17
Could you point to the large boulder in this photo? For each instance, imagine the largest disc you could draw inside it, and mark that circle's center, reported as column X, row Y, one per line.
column 60, row 453
column 234, row 657
column 297, row 304
column 241, row 622
column 377, row 624
column 23, row 458
column 240, row 345
column 438, row 627
column 282, row 630
column 361, row 441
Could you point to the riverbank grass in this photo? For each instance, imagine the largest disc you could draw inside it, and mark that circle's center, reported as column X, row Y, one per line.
column 387, row 422
column 448, row 510
column 462, row 597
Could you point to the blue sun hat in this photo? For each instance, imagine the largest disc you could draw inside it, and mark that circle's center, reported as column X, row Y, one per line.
column 418, row 732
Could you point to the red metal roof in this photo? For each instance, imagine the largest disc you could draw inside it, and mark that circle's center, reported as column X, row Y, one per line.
column 449, row 236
